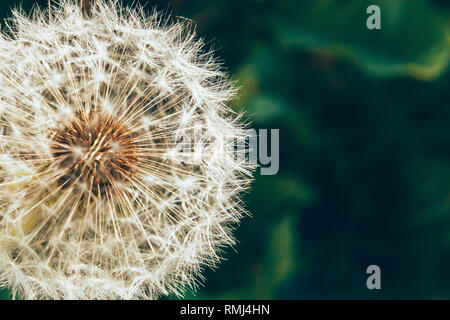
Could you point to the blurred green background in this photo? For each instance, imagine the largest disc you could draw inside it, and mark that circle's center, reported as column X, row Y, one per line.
column 364, row 145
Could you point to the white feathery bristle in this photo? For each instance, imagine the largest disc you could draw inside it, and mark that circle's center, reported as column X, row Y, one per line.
column 100, row 195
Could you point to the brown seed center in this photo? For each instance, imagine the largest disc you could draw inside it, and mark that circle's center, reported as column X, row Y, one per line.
column 96, row 151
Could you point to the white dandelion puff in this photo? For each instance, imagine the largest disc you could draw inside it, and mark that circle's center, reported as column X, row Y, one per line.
column 101, row 195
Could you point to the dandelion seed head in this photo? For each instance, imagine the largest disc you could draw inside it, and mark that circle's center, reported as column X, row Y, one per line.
column 101, row 194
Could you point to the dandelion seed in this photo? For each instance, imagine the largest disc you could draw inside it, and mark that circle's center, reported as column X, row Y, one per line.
column 99, row 196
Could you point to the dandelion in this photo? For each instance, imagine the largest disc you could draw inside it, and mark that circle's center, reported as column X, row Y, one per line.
column 118, row 176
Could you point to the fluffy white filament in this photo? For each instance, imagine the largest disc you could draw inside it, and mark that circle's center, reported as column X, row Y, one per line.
column 128, row 208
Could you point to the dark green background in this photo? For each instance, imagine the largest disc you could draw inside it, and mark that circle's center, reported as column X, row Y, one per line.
column 364, row 145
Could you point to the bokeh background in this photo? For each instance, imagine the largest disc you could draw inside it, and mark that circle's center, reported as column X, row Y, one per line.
column 364, row 145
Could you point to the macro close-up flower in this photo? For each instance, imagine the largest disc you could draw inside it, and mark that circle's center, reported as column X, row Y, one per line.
column 118, row 172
